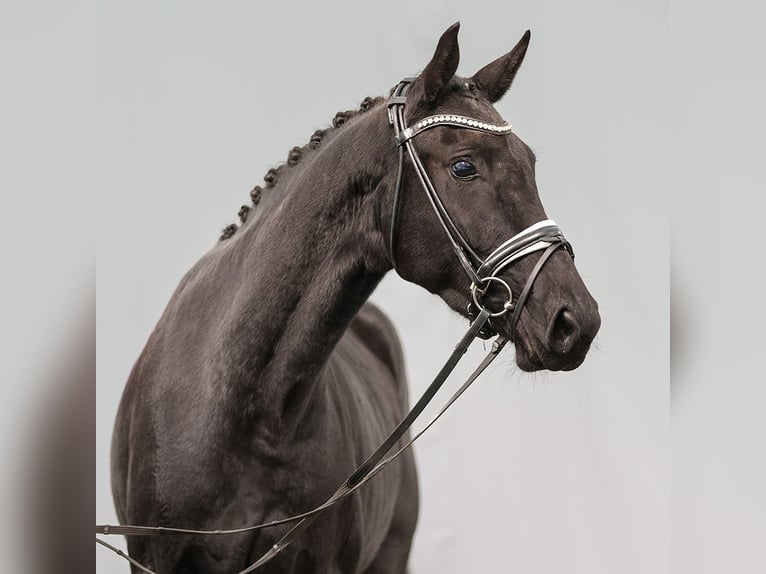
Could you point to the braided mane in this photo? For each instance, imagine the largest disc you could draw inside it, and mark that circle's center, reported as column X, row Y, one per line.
column 293, row 158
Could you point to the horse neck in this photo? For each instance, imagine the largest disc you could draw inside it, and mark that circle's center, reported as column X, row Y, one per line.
column 307, row 266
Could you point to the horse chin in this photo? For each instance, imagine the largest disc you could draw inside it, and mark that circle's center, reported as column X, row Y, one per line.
column 527, row 359
column 532, row 355
column 527, row 364
column 530, row 360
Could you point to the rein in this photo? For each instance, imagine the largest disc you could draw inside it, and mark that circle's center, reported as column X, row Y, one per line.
column 544, row 235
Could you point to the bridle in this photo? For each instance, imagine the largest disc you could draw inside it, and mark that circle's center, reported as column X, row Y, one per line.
column 544, row 235
column 481, row 272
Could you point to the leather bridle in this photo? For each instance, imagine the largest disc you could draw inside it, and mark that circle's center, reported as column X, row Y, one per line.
column 544, row 235
column 481, row 272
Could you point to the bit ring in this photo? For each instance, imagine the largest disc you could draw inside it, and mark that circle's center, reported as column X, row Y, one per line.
column 507, row 306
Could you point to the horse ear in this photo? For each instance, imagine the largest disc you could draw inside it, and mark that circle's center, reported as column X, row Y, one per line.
column 440, row 69
column 494, row 79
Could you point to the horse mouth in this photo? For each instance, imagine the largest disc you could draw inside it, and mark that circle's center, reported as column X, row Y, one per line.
column 531, row 357
column 530, row 361
column 527, row 359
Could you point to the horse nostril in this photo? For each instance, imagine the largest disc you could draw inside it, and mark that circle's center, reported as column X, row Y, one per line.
column 564, row 331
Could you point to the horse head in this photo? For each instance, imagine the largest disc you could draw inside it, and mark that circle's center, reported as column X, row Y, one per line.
column 485, row 192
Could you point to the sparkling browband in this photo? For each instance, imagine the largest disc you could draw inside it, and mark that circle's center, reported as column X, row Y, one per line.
column 451, row 120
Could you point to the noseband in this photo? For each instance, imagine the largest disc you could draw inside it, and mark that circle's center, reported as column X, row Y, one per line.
column 543, row 235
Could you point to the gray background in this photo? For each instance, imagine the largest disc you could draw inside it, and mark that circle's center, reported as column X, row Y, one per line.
column 543, row 473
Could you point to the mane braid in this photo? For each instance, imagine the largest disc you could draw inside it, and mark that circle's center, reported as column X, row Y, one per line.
column 293, row 158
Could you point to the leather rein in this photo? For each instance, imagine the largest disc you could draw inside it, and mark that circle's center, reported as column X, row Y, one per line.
column 544, row 235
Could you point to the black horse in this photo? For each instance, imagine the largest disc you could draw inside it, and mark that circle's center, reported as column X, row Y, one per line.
column 269, row 378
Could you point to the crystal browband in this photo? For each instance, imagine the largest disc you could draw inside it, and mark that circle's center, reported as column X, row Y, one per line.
column 451, row 120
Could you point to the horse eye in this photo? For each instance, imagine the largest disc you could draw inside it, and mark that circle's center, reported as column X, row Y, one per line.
column 463, row 168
